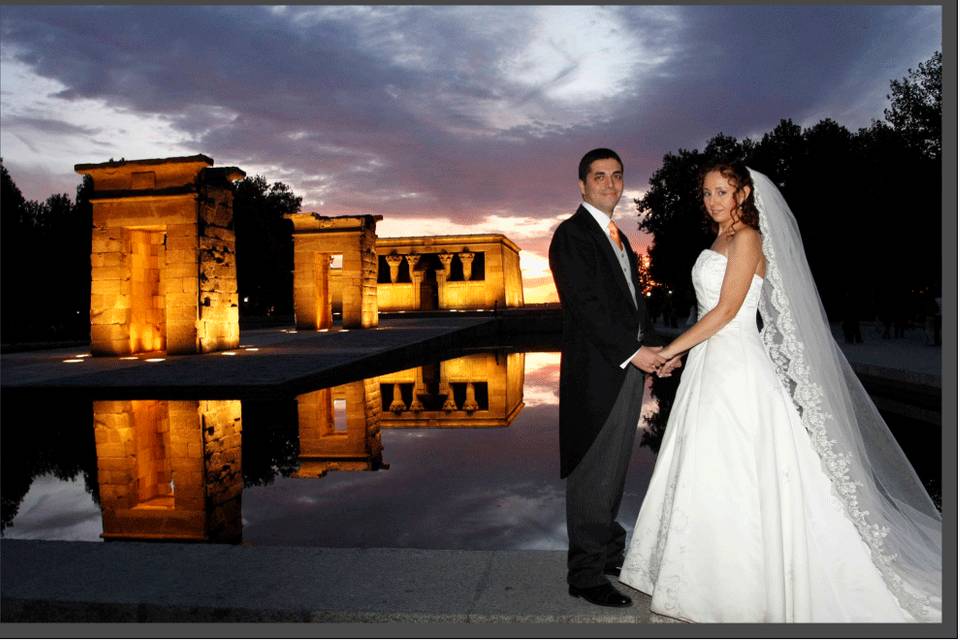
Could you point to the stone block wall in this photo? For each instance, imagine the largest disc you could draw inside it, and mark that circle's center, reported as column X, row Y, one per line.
column 218, row 325
column 223, row 476
column 169, row 469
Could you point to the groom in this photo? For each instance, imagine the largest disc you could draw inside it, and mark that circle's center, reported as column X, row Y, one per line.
column 604, row 352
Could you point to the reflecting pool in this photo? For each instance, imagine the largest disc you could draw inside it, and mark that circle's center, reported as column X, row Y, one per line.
column 456, row 453
column 459, row 453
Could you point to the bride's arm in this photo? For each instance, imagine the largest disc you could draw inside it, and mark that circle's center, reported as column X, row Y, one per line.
column 743, row 257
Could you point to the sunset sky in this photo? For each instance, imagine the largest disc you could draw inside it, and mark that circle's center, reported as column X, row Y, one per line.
column 442, row 119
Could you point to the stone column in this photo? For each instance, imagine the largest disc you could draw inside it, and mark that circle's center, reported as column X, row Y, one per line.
column 412, row 261
column 397, row 405
column 445, row 259
column 470, row 404
column 393, row 261
column 324, row 311
column 466, row 258
column 449, row 404
column 415, row 277
column 441, row 275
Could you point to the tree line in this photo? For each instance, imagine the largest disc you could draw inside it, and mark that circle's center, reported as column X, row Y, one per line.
column 868, row 204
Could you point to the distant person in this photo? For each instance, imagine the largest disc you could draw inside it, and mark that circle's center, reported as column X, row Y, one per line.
column 779, row 494
column 886, row 314
column 607, row 346
column 851, row 319
column 901, row 313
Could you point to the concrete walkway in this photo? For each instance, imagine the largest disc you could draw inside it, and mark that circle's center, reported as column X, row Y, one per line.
column 171, row 582
column 268, row 361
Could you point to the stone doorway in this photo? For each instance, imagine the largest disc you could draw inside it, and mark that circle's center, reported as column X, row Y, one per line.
column 147, row 309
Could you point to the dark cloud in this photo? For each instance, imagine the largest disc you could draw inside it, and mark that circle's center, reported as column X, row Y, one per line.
column 47, row 125
column 358, row 105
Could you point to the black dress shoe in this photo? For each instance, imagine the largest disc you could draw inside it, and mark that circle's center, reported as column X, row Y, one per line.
column 603, row 595
column 613, row 568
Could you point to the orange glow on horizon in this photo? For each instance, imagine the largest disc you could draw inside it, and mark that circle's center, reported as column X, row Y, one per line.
column 540, row 293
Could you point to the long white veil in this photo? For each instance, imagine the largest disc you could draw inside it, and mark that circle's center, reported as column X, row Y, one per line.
column 873, row 478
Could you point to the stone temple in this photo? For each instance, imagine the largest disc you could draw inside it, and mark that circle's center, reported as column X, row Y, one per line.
column 341, row 266
column 164, row 275
column 163, row 256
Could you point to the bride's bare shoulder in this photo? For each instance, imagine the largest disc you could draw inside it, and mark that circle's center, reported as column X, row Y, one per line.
column 746, row 238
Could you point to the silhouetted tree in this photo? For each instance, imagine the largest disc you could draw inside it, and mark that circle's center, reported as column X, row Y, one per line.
column 264, row 246
column 45, row 266
column 916, row 106
column 16, row 236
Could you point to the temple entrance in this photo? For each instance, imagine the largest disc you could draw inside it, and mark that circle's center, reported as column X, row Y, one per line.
column 428, row 266
column 155, row 486
column 429, row 291
column 147, row 306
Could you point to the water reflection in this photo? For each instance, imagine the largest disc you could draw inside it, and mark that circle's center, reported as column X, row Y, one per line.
column 480, row 390
column 169, row 469
column 339, row 429
column 467, row 469
column 176, row 469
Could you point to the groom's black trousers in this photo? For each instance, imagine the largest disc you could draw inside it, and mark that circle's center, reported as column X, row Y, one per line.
column 595, row 488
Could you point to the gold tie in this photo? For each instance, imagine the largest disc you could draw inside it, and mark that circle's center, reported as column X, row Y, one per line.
column 615, row 234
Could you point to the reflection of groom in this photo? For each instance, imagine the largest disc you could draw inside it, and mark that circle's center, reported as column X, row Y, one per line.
column 605, row 329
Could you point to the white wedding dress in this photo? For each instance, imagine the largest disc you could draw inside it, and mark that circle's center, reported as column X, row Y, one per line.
column 740, row 522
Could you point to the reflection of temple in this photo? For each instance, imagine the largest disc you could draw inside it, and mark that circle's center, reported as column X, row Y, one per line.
column 163, row 256
column 169, row 469
column 482, row 390
column 340, row 429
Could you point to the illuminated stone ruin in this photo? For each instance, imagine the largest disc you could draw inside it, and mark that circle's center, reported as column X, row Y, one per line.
column 334, row 254
column 482, row 390
column 163, row 256
column 443, row 272
column 169, row 469
column 340, row 429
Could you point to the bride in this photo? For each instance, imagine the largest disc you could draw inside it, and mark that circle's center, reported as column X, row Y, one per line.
column 779, row 494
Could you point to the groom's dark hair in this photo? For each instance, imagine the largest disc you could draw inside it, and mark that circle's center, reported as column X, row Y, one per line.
column 597, row 154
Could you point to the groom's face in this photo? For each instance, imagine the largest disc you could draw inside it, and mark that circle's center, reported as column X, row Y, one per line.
column 604, row 185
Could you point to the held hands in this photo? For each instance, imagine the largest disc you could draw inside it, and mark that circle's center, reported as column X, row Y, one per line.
column 648, row 359
column 666, row 369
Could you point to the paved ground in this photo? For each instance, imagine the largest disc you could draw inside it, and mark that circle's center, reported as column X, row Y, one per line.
column 158, row 582
column 267, row 361
column 150, row 582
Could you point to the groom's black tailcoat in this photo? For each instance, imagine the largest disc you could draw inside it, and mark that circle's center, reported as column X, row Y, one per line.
column 600, row 330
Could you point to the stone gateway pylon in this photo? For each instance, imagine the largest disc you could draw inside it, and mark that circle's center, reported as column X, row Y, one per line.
column 334, row 253
column 163, row 257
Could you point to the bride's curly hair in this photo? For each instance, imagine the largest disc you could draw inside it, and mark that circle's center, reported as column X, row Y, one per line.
column 737, row 174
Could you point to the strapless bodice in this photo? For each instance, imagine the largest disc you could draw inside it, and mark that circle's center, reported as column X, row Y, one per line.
column 708, row 273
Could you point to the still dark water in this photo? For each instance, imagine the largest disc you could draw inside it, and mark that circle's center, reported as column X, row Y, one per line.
column 443, row 480
column 454, row 454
